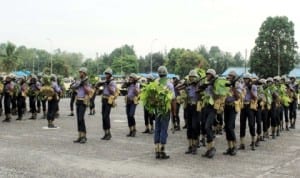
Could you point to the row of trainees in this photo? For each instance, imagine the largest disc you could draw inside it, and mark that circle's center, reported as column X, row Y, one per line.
column 41, row 92
column 262, row 102
column 259, row 101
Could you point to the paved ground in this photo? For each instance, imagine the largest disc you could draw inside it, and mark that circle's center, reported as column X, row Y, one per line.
column 28, row 150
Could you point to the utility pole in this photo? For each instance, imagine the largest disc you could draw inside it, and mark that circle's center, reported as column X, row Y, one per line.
column 245, row 60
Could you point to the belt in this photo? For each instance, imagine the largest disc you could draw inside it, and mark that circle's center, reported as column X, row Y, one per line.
column 105, row 97
column 229, row 104
column 192, row 103
column 80, row 99
column 246, row 103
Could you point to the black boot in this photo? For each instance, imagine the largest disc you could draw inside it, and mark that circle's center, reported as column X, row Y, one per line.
column 211, row 152
column 227, row 152
column 189, row 151
column 163, row 154
column 147, row 130
column 19, row 118
column 78, row 139
column 83, row 140
column 108, row 136
column 242, row 147
column 252, row 146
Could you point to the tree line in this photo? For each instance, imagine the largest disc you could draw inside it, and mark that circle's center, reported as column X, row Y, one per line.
column 275, row 52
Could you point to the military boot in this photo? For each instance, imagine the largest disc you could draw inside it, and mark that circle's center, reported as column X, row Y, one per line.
column 278, row 132
column 151, row 129
column 242, row 144
column 7, row 118
column 253, row 144
column 229, row 149
column 19, row 118
column 147, row 130
column 79, row 138
column 157, row 153
column 163, row 154
column 273, row 133
column 105, row 135
column 212, row 151
column 33, row 116
column 133, row 131
column 83, row 139
column 287, row 126
column 189, row 151
column 130, row 132
column 108, row 137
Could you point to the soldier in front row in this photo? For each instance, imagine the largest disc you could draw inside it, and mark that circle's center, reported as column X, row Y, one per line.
column 83, row 90
column 8, row 93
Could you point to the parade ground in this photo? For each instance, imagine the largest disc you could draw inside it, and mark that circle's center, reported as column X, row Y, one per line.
column 27, row 149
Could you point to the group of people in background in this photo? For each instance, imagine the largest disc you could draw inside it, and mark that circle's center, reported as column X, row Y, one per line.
column 268, row 105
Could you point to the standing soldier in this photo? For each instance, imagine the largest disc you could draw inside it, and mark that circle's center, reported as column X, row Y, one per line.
column 73, row 95
column 209, row 113
column 8, row 93
column 109, row 91
column 148, row 117
column 285, row 83
column 293, row 106
column 14, row 97
column 83, row 91
column 53, row 101
column 193, row 127
column 232, row 107
column 21, row 97
column 34, row 87
column 176, row 120
column 247, row 112
column 1, row 95
column 258, row 113
column 131, row 100
column 162, row 120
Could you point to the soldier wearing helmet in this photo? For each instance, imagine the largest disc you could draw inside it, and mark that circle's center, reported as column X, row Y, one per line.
column 8, row 94
column 192, row 114
column 162, row 120
column 33, row 91
column 83, row 91
column 209, row 114
column 294, row 87
column 21, row 97
column 148, row 117
column 176, row 120
column 232, row 107
column 109, row 91
column 53, row 101
column 131, row 101
column 247, row 112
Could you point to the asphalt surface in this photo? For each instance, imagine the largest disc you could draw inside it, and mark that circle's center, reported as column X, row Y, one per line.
column 28, row 150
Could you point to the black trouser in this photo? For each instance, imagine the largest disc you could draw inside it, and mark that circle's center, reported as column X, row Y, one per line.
column 293, row 110
column 73, row 95
column 92, row 102
column 1, row 99
column 274, row 113
column 106, row 114
column 229, row 119
column 280, row 110
column 52, row 108
column 247, row 113
column 7, row 103
column 32, row 101
column 21, row 105
column 176, row 120
column 130, row 111
column 193, row 129
column 148, row 117
column 209, row 116
column 42, row 102
column 266, row 119
column 80, row 111
column 258, row 115
column 219, row 119
column 14, row 103
column 286, row 113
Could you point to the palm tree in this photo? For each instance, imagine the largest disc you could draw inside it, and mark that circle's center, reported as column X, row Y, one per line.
column 8, row 58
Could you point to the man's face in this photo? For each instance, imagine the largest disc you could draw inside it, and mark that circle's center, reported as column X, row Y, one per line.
column 246, row 80
column 230, row 78
column 131, row 79
column 209, row 77
column 107, row 76
column 292, row 80
column 192, row 78
column 81, row 74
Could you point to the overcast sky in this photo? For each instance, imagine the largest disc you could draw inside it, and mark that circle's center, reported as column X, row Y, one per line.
column 90, row 26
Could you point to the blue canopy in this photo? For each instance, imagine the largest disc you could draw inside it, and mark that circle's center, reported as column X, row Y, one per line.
column 295, row 72
column 21, row 73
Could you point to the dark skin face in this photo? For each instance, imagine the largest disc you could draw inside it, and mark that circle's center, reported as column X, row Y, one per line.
column 209, row 77
column 247, row 81
column 293, row 80
column 82, row 75
column 230, row 78
column 107, row 76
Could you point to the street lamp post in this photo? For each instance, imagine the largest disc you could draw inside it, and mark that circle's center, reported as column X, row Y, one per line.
column 151, row 55
column 50, row 41
column 278, row 57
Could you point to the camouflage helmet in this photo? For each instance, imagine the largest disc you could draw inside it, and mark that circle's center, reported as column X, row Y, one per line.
column 232, row 73
column 53, row 77
column 211, row 72
column 176, row 77
column 83, row 69
column 263, row 81
column 246, row 76
column 277, row 78
column 193, row 73
column 162, row 70
column 108, row 71
column 150, row 76
column 270, row 79
column 134, row 76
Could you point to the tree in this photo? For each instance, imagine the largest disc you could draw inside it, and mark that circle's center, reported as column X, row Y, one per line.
column 173, row 56
column 275, row 48
column 189, row 60
column 9, row 58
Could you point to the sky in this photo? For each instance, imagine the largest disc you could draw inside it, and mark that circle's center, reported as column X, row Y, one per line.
column 99, row 26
